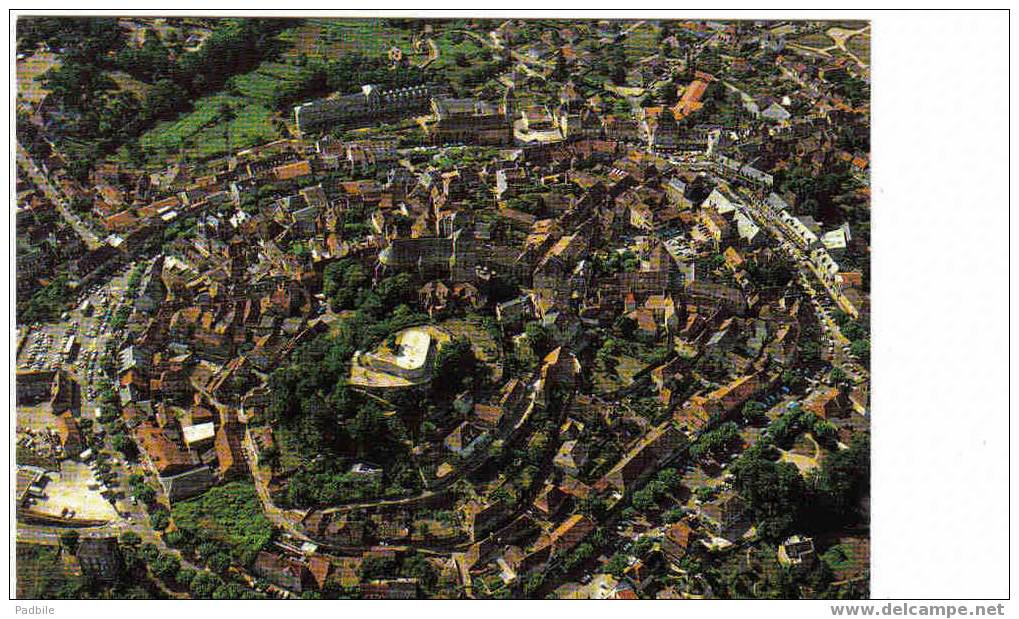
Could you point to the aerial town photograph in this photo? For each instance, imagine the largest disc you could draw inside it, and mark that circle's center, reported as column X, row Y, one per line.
column 441, row 308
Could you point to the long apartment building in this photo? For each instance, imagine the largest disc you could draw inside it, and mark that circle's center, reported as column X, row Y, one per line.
column 371, row 104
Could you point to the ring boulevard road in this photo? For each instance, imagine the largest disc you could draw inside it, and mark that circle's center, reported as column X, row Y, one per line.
column 92, row 241
column 763, row 218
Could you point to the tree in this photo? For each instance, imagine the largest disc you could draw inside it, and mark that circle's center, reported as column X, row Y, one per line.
column 773, row 492
column 626, row 326
column 716, row 442
column 77, row 86
column 69, row 541
column 673, row 515
column 644, row 500
column 236, row 47
column 219, row 562
column 130, row 539
column 185, row 576
column 178, row 538
column 455, row 367
column 593, row 506
column 539, row 338
column 373, row 568
column 126, row 446
column 753, row 410
column 792, row 380
column 204, row 584
column 271, row 456
column 665, row 92
column 159, row 518
column 670, row 477
column 229, row 591
column 145, row 493
column 861, row 350
column 844, row 479
column 417, row 566
column 560, row 72
column 163, row 101
column 366, row 428
column 607, row 355
column 225, row 115
column 166, row 566
column 581, row 553
column 148, row 62
column 617, row 64
column 617, row 565
column 393, row 291
column 148, row 552
column 47, row 303
column 119, row 115
column 533, row 582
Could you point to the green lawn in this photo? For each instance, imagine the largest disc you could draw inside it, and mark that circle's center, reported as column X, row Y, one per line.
column 859, row 45
column 641, row 42
column 329, row 38
column 468, row 46
column 203, row 134
column 627, row 366
column 256, row 121
column 816, row 40
column 472, row 328
column 838, row 557
column 260, row 84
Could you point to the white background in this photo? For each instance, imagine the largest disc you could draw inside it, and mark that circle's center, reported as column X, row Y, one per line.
column 940, row 435
column 941, row 237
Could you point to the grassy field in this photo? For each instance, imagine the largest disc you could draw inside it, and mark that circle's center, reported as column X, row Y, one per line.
column 202, row 133
column 448, row 49
column 641, row 42
column 328, row 38
column 256, row 122
column 481, row 340
column 28, row 72
column 859, row 46
column 816, row 41
column 260, row 84
column 849, row 25
column 626, row 367
column 130, row 84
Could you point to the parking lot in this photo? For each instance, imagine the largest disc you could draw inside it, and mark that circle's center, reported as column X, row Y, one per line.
column 73, row 493
column 41, row 349
column 77, row 342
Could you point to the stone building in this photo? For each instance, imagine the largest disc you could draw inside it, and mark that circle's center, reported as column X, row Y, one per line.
column 469, row 121
column 370, row 105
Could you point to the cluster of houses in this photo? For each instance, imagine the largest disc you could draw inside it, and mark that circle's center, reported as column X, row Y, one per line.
column 726, row 317
column 590, row 221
